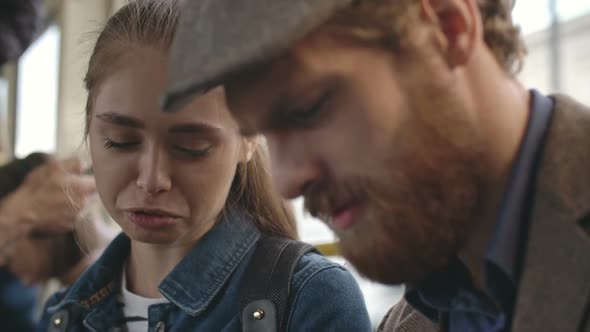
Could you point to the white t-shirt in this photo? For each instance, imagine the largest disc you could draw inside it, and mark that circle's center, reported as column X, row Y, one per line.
column 135, row 307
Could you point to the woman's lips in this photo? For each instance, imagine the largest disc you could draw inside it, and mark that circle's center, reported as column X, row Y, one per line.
column 152, row 219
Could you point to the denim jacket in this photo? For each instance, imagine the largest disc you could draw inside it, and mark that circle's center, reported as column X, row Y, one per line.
column 203, row 290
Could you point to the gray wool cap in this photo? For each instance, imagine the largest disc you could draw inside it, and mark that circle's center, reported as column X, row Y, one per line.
column 216, row 38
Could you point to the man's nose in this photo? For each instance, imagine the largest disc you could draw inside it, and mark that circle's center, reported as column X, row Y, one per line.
column 293, row 166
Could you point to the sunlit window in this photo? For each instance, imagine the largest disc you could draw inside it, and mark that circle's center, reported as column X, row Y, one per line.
column 532, row 15
column 571, row 9
column 535, row 15
column 5, row 150
column 37, row 92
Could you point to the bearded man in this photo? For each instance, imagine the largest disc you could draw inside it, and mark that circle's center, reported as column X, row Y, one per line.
column 403, row 125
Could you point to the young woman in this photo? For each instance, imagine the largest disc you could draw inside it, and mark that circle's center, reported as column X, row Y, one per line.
column 192, row 197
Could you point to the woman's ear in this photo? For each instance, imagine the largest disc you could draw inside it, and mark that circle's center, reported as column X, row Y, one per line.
column 248, row 148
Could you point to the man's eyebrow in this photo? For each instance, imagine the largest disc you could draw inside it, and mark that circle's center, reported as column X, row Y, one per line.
column 189, row 128
column 120, row 120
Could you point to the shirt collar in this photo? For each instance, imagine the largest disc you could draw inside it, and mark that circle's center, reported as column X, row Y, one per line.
column 507, row 244
column 197, row 279
column 439, row 290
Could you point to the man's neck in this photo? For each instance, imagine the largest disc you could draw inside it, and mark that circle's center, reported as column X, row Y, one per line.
column 503, row 106
column 148, row 265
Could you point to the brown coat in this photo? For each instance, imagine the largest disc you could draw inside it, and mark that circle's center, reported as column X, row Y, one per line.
column 554, row 290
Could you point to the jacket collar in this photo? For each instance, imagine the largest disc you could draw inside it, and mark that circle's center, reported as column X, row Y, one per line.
column 99, row 280
column 197, row 279
column 554, row 288
column 193, row 283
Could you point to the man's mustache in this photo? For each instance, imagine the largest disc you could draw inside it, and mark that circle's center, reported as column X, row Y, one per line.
column 323, row 199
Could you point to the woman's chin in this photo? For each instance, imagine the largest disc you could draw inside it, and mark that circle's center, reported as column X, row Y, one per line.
column 152, row 236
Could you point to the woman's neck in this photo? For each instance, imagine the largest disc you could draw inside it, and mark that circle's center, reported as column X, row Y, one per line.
column 149, row 264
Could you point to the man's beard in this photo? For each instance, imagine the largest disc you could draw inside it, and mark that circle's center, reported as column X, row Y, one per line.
column 418, row 210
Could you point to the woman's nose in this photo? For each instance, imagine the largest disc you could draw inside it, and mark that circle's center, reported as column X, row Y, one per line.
column 154, row 172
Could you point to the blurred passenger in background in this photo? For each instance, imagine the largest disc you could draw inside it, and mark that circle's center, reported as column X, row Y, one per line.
column 19, row 24
column 45, row 199
column 36, row 214
column 38, row 243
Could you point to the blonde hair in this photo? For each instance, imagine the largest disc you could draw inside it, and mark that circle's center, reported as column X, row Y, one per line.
column 152, row 23
column 388, row 22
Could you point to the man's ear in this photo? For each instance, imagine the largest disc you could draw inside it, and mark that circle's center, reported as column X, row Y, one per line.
column 457, row 23
column 249, row 145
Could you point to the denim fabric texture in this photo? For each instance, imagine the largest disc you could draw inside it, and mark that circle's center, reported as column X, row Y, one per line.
column 203, row 289
column 17, row 304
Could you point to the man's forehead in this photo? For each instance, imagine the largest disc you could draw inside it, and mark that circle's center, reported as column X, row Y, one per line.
column 265, row 81
column 252, row 95
column 258, row 100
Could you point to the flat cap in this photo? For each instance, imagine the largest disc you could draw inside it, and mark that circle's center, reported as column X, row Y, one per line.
column 216, row 38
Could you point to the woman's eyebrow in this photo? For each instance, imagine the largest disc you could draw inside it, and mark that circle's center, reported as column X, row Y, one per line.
column 120, row 120
column 189, row 128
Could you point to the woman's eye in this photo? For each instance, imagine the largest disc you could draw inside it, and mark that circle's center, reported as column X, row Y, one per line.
column 109, row 143
column 202, row 152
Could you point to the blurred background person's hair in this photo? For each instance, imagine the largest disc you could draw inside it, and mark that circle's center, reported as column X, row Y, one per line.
column 19, row 23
